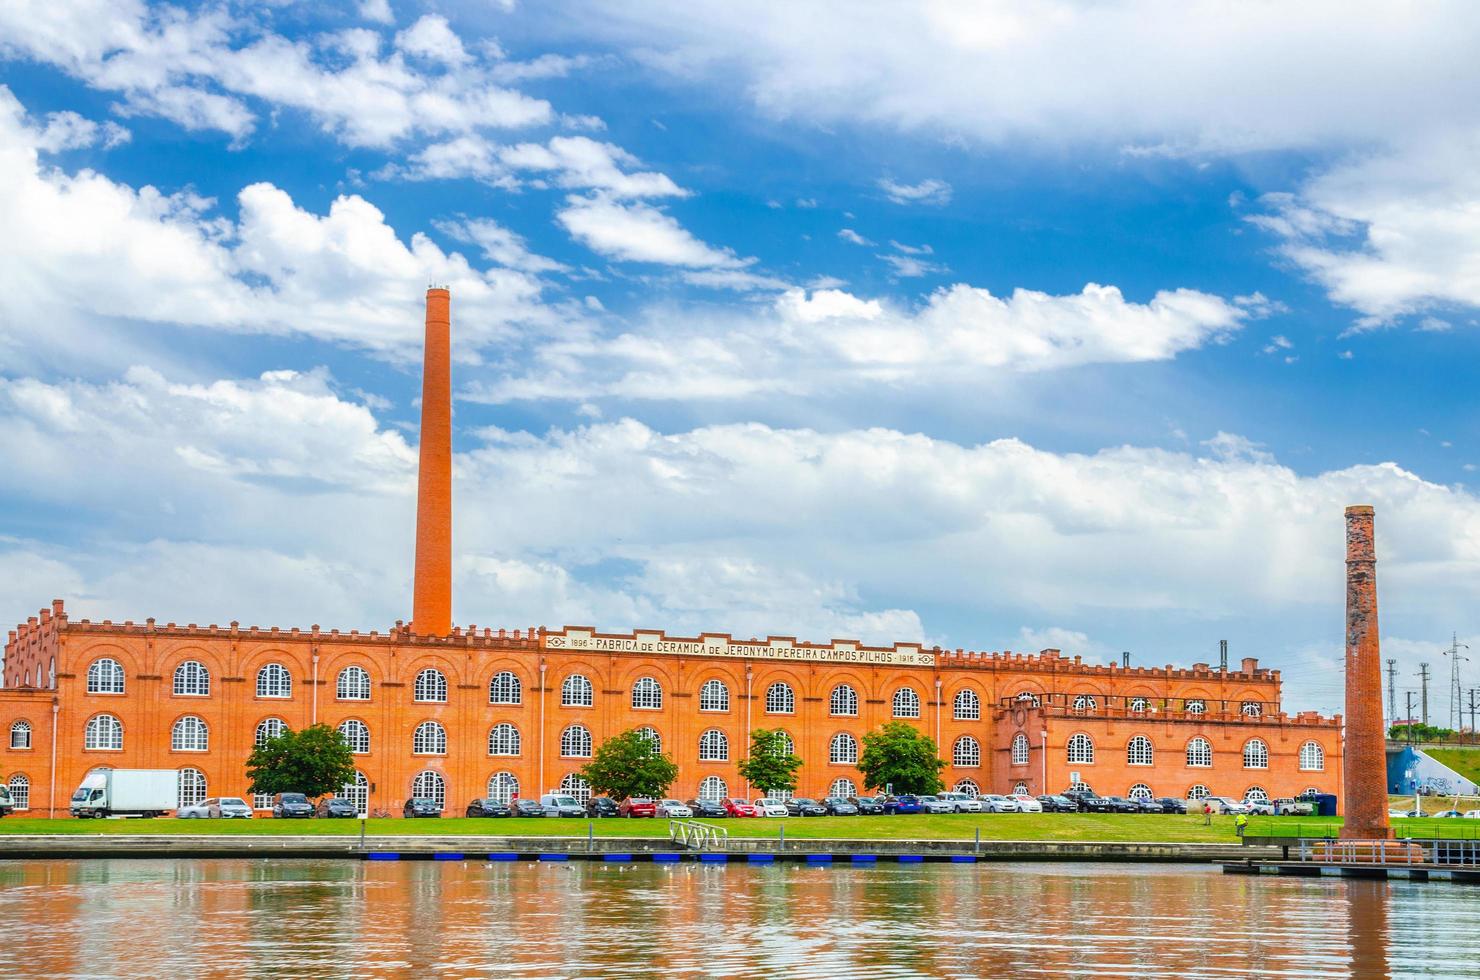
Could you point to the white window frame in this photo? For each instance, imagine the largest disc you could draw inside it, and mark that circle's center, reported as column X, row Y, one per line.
column 503, row 787
column 103, row 733
column 1199, row 753
column 356, row 735
column 430, row 784
column 190, row 734
column 1198, row 792
column 430, row 686
column 504, row 740
column 576, row 742
column 429, row 738
column 574, row 784
column 781, row 699
column 647, row 694
column 967, row 786
column 268, row 728
column 20, row 791
column 1256, row 754
column 714, row 746
column 906, row 703
column 274, row 680
column 1080, row 749
column 842, row 749
column 1312, row 756
column 192, row 788
column 1020, row 749
column 966, row 753
column 967, row 705
column 1140, row 751
column 1140, row 791
column 714, row 695
column 352, row 684
column 20, row 735
column 505, row 688
column 843, row 702
column 653, row 736
column 104, row 676
column 192, row 680
column 577, row 691
column 713, row 789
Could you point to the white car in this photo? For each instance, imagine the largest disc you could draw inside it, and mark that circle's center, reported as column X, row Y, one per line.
column 1394, row 814
column 1226, row 804
column 674, row 808
column 960, row 802
column 934, row 804
column 196, row 811
column 229, row 807
column 996, row 803
column 1026, row 803
column 767, row 807
column 1472, row 814
column 1264, row 807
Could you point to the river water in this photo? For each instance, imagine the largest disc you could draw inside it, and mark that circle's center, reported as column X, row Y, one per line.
column 334, row 918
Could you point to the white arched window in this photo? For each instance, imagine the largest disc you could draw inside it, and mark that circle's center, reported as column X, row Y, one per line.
column 652, row 735
column 713, row 788
column 843, row 749
column 1195, row 706
column 1085, row 702
column 192, row 679
column 353, row 684
column 967, row 752
column 574, row 785
column 1081, row 748
column 1078, row 786
column 503, row 739
column 189, row 735
column 503, row 787
column 1029, row 700
column 1137, row 705
column 906, row 703
column 1140, row 791
column 274, row 681
column 505, row 688
column 967, row 706
column 1251, row 709
column 20, row 792
column 1199, row 792
column 1199, row 753
column 843, row 788
column 575, row 743
column 1256, row 794
column 647, row 693
column 1312, row 757
column 714, row 696
column 1019, row 788
column 20, row 735
column 357, row 792
column 192, row 786
column 1256, row 754
column 429, row 785
column 431, row 686
column 1138, row 751
column 103, row 732
column 844, row 701
column 714, row 746
column 1020, row 749
column 429, row 738
column 356, row 735
column 967, row 786
column 268, row 729
column 780, row 699
column 104, row 676
column 576, row 692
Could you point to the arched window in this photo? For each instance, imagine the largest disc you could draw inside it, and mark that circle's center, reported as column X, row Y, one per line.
column 844, row 701
column 780, row 699
column 353, row 684
column 505, row 689
column 714, row 746
column 1199, row 753
column 1020, row 749
column 268, row 729
column 1199, row 792
column 967, row 752
column 104, row 676
column 1140, row 791
column 429, row 785
column 1195, row 706
column 192, row 787
column 431, row 686
column 1251, row 709
column 503, row 787
column 1078, row 786
column 1256, row 754
column 1029, row 699
column 1312, row 757
column 20, row 735
column 843, row 749
column 647, row 693
column 192, row 679
column 968, row 707
column 1020, row 788
column 429, row 738
column 1309, row 791
column 1085, row 702
column 357, row 792
column 20, row 792
column 967, row 786
column 274, row 681
column 503, row 739
column 576, row 692
column 1256, row 794
column 1137, row 705
column 652, row 735
column 1081, row 748
column 575, row 743
column 714, row 696
column 843, row 788
column 906, row 703
column 356, row 735
column 1138, row 751
column 574, row 785
column 103, row 732
column 713, row 788
column 189, row 735
column 790, row 747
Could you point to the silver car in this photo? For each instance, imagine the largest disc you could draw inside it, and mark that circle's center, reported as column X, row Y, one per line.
column 196, row 811
column 229, row 807
column 960, row 802
column 997, row 803
column 674, row 808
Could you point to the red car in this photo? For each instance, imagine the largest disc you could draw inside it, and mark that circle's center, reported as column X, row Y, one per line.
column 637, row 807
column 740, row 808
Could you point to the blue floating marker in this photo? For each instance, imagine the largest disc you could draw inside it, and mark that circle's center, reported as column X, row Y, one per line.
column 963, row 858
column 554, row 857
column 911, row 859
column 617, row 858
column 714, row 858
column 761, row 858
column 382, row 856
column 447, row 856
column 819, row 859
column 667, row 858
column 865, row 859
column 504, row 856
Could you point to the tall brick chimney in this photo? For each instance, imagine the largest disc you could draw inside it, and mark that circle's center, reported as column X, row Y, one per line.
column 431, row 607
column 1364, row 769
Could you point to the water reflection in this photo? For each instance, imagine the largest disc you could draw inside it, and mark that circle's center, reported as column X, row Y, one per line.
column 340, row 918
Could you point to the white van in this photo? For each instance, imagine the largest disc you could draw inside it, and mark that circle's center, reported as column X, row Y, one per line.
column 562, row 805
column 6, row 803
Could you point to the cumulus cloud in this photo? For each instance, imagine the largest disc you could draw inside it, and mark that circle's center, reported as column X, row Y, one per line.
column 639, row 232
column 931, row 191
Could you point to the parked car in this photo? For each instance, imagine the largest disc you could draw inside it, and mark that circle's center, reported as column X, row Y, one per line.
column 997, row 803
column 903, row 804
column 1026, row 803
column 1393, row 814
column 736, row 807
column 1054, row 803
column 287, row 806
column 637, row 806
column 709, row 809
column 1472, row 814
column 421, row 806
column 961, row 803
column 868, row 806
column 1227, row 804
column 563, row 805
column 527, row 808
column 934, row 804
column 1089, row 802
column 1170, row 804
column 1261, row 807
column 1290, row 807
column 601, row 806
column 1145, row 804
column 765, row 806
column 1448, row 813
column 335, row 808
column 803, row 807
column 674, row 809
column 195, row 811
column 836, row 806
column 485, row 807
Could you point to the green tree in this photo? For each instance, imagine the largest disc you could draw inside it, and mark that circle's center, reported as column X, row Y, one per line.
column 314, row 762
column 770, row 767
column 629, row 765
column 897, row 755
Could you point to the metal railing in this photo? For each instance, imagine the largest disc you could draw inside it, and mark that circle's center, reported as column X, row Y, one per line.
column 1456, row 853
column 698, row 836
column 1411, row 828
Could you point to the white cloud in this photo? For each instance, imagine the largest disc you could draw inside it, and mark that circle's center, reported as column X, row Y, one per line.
column 69, row 131
column 575, row 162
column 853, row 237
column 431, row 37
column 499, row 244
column 911, row 266
column 377, row 11
column 639, row 233
column 930, row 191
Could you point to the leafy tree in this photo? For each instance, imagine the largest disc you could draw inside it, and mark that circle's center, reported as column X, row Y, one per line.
column 628, row 765
column 770, row 767
column 314, row 762
column 1419, row 732
column 900, row 756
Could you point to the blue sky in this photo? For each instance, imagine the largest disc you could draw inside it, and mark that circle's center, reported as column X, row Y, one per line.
column 997, row 326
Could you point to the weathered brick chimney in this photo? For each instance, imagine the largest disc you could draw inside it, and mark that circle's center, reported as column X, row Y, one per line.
column 1364, row 770
column 431, row 607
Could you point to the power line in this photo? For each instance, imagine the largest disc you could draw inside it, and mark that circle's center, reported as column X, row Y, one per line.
column 1423, row 673
column 1392, row 665
column 1456, row 706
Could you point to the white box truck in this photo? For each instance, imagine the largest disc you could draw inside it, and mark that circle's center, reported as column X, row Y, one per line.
column 127, row 792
